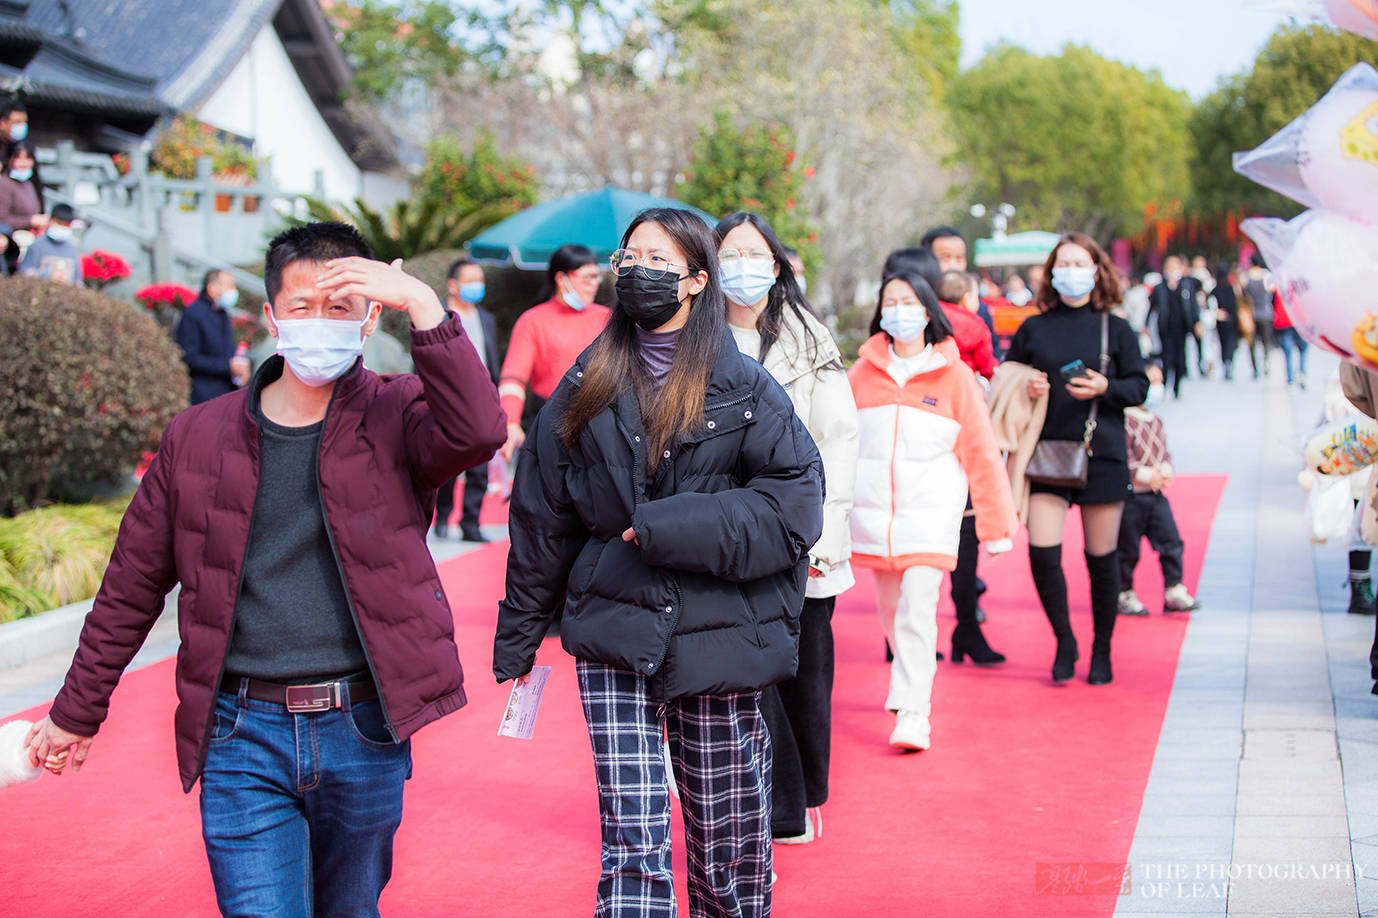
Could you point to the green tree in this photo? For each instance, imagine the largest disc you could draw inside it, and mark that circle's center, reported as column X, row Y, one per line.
column 391, row 42
column 754, row 169
column 1073, row 140
column 1296, row 67
column 462, row 181
column 927, row 30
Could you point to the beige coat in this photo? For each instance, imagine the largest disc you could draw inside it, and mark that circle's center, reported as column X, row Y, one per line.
column 1018, row 421
column 822, row 398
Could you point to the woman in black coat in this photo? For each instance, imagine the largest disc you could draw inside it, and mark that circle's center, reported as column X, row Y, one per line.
column 1074, row 308
column 667, row 497
column 1226, row 300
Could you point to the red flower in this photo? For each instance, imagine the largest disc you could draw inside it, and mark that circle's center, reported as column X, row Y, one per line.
column 167, row 293
column 809, row 172
column 789, row 158
column 103, row 267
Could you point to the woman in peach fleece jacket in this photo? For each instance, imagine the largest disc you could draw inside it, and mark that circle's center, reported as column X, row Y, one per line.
column 925, row 436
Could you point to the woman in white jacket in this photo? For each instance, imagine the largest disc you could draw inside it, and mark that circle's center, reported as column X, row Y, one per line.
column 772, row 321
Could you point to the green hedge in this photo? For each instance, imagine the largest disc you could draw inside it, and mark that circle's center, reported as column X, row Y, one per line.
column 89, row 383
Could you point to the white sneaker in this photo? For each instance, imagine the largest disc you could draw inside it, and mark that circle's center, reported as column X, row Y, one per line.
column 1129, row 604
column 1177, row 599
column 814, row 815
column 911, row 732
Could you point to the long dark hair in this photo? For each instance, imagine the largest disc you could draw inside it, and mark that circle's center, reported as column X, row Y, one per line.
column 566, row 258
column 614, row 359
column 37, row 179
column 785, row 294
column 938, row 327
column 1104, row 295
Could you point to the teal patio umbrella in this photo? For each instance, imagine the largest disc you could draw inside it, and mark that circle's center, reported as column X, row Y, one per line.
column 595, row 219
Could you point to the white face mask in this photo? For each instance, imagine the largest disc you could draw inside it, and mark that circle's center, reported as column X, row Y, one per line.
column 746, row 281
column 59, row 233
column 1073, row 281
column 905, row 322
column 573, row 300
column 319, row 351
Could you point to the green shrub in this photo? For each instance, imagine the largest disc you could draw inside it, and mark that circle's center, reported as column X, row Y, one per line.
column 55, row 555
column 89, row 383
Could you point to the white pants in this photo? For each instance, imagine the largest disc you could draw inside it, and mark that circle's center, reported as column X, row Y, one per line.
column 908, row 605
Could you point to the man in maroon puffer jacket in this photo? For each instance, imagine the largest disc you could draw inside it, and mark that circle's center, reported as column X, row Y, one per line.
column 315, row 637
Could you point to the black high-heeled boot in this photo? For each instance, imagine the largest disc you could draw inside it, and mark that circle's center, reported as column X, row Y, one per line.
column 968, row 641
column 1046, row 566
column 1105, row 592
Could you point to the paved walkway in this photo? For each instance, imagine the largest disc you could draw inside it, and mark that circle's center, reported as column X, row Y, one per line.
column 1263, row 798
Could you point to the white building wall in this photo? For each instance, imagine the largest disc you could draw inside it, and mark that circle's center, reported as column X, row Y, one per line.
column 263, row 98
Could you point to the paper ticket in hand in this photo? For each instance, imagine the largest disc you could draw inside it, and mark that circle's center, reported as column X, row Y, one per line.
column 519, row 720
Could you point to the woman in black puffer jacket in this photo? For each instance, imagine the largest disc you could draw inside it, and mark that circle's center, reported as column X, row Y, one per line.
column 667, row 497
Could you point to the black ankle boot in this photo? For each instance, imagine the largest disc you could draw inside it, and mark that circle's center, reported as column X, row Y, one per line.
column 1105, row 593
column 1046, row 566
column 968, row 641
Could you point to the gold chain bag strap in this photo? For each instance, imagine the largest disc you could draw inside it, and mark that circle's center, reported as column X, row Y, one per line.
column 1065, row 463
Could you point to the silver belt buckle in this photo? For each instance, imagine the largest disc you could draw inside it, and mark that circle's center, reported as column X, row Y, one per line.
column 309, row 699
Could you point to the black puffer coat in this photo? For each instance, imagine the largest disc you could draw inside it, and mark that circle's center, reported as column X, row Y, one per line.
column 707, row 601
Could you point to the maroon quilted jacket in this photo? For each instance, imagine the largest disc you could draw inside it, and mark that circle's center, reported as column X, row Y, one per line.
column 388, row 443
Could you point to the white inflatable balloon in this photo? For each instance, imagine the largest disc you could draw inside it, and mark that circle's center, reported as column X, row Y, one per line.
column 1328, row 157
column 1357, row 16
column 1326, row 265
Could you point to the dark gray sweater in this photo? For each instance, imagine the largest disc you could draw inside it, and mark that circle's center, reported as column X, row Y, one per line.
column 292, row 621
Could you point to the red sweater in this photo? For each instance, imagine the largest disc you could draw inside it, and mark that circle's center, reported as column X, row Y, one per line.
column 545, row 342
column 973, row 339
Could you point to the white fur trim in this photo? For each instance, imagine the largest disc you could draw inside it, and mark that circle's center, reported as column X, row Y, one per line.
column 14, row 760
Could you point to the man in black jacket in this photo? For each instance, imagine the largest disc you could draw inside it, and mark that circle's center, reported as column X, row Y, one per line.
column 207, row 342
column 1174, row 304
column 465, row 289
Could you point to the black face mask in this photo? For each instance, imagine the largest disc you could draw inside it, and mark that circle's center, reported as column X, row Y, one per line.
column 649, row 303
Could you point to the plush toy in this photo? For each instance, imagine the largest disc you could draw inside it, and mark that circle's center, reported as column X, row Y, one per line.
column 14, row 758
column 1326, row 265
column 1343, row 447
column 1328, row 156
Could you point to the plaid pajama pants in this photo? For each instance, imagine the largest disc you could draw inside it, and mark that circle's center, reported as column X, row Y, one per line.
column 721, row 757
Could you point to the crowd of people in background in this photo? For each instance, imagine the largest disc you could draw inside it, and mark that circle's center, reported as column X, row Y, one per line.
column 699, row 475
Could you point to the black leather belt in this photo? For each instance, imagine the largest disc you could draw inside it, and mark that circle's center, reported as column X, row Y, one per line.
column 303, row 699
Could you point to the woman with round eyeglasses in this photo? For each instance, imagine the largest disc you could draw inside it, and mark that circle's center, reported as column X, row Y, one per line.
column 549, row 336
column 667, row 498
column 1063, row 343
column 771, row 321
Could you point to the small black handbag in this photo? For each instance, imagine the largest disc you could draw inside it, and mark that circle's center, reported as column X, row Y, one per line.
column 1065, row 463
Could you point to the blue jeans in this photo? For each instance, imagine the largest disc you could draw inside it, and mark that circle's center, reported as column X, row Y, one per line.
column 298, row 811
column 1294, row 348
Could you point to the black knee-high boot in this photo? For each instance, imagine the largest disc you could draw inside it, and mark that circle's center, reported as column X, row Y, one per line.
column 1046, row 566
column 1105, row 591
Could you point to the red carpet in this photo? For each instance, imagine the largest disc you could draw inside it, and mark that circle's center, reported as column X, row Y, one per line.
column 1021, row 775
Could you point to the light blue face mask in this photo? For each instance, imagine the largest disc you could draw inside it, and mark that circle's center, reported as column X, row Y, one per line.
column 59, row 233
column 21, row 175
column 229, row 298
column 746, row 281
column 905, row 322
column 471, row 292
column 1156, row 393
column 573, row 300
column 1074, row 282
column 19, row 131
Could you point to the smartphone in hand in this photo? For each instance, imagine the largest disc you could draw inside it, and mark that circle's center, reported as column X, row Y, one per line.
column 1074, row 370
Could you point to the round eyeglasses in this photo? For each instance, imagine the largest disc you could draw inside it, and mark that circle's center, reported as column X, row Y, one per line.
column 655, row 264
